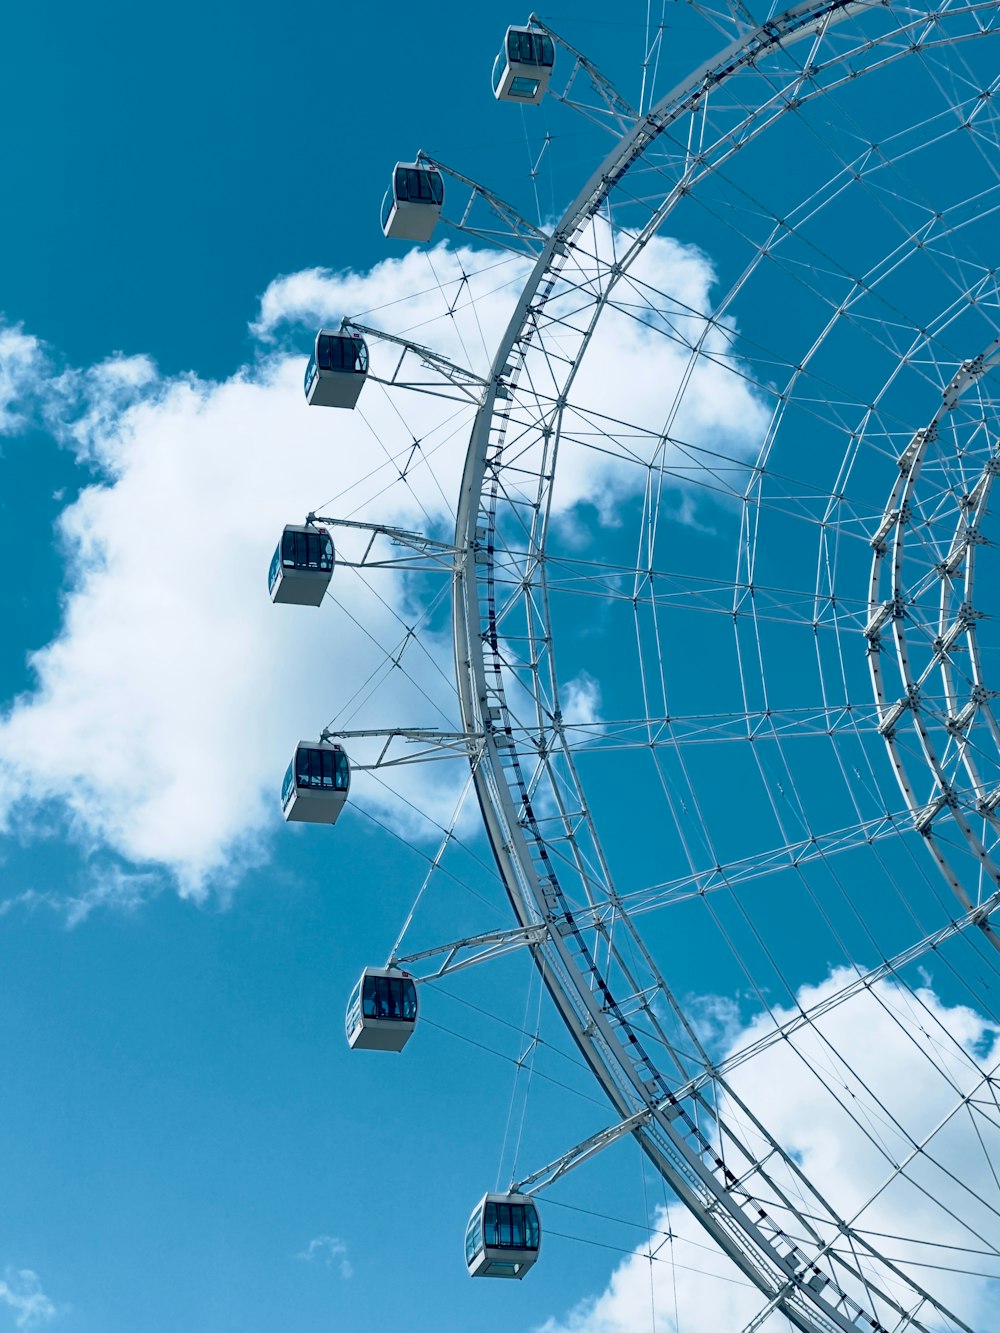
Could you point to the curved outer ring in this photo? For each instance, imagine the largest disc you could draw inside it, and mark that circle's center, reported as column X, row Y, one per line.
column 790, row 1280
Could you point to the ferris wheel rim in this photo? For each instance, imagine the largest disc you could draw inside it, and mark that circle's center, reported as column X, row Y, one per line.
column 499, row 813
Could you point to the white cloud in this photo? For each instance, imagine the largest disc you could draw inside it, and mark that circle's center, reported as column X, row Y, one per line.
column 21, row 360
column 21, row 1292
column 83, row 407
column 165, row 709
column 106, row 885
column 582, row 701
column 716, row 1021
column 683, row 1288
column 881, row 1071
column 331, row 1252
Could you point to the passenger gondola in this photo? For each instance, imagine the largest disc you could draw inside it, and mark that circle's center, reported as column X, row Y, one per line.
column 503, row 1236
column 382, row 1010
column 316, row 783
column 522, row 70
column 412, row 204
column 337, row 368
column 301, row 567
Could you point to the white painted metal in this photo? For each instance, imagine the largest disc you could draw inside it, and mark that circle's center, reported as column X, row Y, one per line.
column 381, row 1017
column 409, row 218
column 322, row 802
column 955, row 628
column 827, row 1277
column 488, row 217
column 490, row 1253
column 340, row 384
column 300, row 585
column 523, row 76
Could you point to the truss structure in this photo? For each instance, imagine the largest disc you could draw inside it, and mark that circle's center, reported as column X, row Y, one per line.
column 838, row 637
column 812, row 1263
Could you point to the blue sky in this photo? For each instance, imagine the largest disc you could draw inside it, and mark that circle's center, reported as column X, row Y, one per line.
column 181, row 1120
column 188, row 1142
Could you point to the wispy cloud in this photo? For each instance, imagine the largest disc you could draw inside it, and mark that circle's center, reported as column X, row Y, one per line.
column 21, row 1291
column 329, row 1251
column 105, row 886
column 21, row 360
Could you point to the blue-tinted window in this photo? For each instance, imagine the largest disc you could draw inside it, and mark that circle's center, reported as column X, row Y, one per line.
column 491, row 1226
column 419, row 185
column 521, row 87
column 530, row 48
column 330, row 351
column 473, row 1237
column 307, row 550
column 510, row 1226
column 272, row 573
column 353, row 1015
column 392, row 998
column 340, row 351
column 322, row 769
column 288, row 786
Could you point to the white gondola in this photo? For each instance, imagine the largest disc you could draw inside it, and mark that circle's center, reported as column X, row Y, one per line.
column 382, row 1010
column 316, row 783
column 337, row 368
column 301, row 567
column 503, row 1236
column 412, row 204
column 522, row 70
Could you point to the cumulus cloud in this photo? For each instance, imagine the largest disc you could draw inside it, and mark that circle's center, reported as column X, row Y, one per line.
column 21, row 360
column 849, row 1099
column 21, row 1291
column 83, row 407
column 653, row 387
column 329, row 1251
column 674, row 1284
column 166, row 708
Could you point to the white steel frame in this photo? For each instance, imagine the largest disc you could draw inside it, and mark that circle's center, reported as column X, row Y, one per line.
column 807, row 1261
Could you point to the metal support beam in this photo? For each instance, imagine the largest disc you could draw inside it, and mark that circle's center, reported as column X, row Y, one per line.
column 438, row 745
column 468, row 384
column 480, row 948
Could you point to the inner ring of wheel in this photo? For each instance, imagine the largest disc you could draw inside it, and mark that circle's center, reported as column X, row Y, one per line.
column 890, row 609
column 668, row 1114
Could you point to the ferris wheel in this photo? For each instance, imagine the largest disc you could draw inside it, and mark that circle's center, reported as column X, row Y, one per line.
column 723, row 619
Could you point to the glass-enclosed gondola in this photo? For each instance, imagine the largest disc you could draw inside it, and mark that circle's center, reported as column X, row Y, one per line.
column 503, row 1236
column 337, row 368
column 522, row 70
column 301, row 567
column 382, row 1010
column 412, row 204
column 316, row 783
